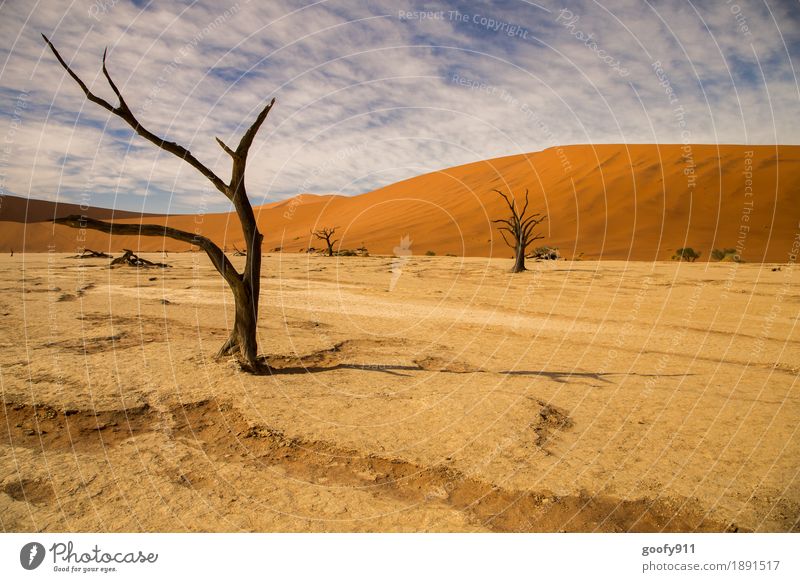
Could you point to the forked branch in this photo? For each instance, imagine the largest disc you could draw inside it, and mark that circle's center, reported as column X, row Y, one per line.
column 123, row 112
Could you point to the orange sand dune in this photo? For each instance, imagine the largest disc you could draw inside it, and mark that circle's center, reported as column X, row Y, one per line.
column 18, row 209
column 636, row 202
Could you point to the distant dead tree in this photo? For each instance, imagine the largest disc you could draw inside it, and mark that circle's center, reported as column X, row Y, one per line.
column 326, row 234
column 520, row 227
column 134, row 260
column 245, row 286
column 90, row 254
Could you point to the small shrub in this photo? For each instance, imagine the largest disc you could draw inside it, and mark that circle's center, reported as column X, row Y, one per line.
column 545, row 254
column 724, row 255
column 430, row 254
column 686, row 254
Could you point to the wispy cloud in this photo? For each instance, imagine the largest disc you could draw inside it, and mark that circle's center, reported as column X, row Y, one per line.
column 369, row 93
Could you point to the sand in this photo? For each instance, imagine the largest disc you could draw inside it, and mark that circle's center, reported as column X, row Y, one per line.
column 620, row 202
column 448, row 395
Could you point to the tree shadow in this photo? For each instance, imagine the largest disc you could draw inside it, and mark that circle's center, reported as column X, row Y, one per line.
column 562, row 377
column 391, row 369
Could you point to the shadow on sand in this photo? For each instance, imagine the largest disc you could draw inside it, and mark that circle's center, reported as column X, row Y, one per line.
column 563, row 377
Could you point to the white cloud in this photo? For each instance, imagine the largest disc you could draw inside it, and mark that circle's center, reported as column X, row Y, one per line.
column 365, row 97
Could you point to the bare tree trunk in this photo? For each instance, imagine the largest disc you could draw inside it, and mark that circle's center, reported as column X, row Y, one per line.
column 519, row 259
column 243, row 338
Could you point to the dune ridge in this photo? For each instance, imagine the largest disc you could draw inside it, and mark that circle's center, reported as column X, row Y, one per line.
column 610, row 201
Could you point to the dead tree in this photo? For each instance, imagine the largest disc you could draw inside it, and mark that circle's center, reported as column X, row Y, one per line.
column 245, row 286
column 132, row 259
column 326, row 234
column 90, row 254
column 520, row 227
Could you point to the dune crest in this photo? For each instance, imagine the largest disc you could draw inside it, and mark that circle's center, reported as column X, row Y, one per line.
column 638, row 202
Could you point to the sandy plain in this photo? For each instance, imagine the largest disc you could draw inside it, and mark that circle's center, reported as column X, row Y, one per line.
column 405, row 394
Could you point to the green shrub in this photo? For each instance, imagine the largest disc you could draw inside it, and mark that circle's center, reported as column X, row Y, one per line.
column 686, row 254
column 430, row 254
column 723, row 254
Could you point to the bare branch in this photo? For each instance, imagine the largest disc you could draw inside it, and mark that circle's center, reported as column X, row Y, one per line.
column 214, row 253
column 250, row 134
column 324, row 233
column 505, row 239
column 89, row 95
column 510, row 204
column 504, row 221
column 537, row 237
column 123, row 107
column 228, row 150
column 530, row 226
column 525, row 208
column 533, row 218
column 124, row 113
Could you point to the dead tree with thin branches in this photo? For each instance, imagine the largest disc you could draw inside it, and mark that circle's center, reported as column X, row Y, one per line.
column 326, row 234
column 520, row 227
column 246, row 285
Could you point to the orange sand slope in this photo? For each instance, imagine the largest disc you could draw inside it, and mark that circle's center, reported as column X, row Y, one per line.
column 636, row 202
column 16, row 209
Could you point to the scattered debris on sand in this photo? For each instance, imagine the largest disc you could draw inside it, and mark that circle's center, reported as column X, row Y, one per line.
column 133, row 260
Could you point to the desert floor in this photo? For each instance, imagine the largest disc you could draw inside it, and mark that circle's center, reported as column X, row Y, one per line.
column 413, row 394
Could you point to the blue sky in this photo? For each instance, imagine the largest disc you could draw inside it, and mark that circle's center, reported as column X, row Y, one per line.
column 374, row 92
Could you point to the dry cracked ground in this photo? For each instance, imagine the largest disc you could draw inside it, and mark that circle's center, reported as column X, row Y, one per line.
column 401, row 394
